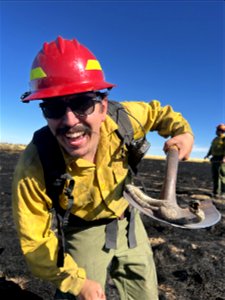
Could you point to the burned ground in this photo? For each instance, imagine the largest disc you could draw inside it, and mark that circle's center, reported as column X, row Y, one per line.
column 190, row 263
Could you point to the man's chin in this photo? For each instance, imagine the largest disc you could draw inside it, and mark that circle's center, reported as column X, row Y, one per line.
column 76, row 153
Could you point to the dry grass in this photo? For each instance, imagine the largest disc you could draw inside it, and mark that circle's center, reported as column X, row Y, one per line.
column 12, row 147
column 19, row 147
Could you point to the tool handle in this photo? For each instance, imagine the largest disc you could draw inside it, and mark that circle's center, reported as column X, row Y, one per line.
column 168, row 191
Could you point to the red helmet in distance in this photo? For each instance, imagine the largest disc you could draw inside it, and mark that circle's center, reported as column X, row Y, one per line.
column 221, row 127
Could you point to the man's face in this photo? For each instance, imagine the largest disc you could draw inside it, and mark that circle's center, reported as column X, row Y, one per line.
column 219, row 132
column 76, row 122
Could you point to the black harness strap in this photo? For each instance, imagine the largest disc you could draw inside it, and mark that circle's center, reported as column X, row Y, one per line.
column 112, row 229
column 136, row 148
column 118, row 113
column 54, row 167
column 52, row 162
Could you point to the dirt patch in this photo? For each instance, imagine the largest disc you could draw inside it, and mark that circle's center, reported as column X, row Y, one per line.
column 190, row 263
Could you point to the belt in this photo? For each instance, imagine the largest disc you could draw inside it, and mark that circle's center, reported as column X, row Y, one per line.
column 111, row 227
column 78, row 222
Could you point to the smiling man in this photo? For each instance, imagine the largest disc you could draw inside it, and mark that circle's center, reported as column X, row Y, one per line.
column 76, row 120
column 80, row 227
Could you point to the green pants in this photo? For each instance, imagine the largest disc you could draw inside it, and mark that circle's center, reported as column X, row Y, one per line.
column 218, row 176
column 132, row 270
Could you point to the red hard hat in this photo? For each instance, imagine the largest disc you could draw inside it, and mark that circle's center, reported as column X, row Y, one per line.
column 221, row 127
column 64, row 67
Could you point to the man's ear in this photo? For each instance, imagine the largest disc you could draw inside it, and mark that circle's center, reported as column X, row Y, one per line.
column 104, row 108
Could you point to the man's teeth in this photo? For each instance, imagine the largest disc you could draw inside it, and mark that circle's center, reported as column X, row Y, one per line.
column 73, row 135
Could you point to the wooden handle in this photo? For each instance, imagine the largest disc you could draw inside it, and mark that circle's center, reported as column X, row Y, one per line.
column 168, row 191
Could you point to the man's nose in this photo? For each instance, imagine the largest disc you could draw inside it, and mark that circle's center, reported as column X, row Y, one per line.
column 70, row 118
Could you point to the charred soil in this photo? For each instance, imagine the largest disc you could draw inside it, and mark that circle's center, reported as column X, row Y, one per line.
column 190, row 263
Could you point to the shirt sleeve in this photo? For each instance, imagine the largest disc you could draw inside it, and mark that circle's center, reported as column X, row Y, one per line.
column 154, row 117
column 33, row 221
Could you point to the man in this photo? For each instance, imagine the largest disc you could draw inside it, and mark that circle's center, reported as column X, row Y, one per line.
column 216, row 154
column 70, row 81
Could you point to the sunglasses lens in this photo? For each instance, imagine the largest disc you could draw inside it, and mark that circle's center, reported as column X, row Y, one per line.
column 81, row 105
column 53, row 110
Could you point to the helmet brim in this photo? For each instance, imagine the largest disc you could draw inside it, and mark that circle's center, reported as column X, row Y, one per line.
column 63, row 90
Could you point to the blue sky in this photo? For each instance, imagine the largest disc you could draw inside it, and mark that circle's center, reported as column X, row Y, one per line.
column 172, row 51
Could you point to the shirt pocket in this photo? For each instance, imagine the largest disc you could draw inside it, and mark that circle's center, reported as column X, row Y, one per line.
column 119, row 170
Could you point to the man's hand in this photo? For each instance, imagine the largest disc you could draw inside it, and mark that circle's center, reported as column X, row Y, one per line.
column 184, row 143
column 91, row 290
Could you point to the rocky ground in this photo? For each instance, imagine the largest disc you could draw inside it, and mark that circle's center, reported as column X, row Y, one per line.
column 190, row 263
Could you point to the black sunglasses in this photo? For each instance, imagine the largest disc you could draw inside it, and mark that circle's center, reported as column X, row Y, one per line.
column 81, row 105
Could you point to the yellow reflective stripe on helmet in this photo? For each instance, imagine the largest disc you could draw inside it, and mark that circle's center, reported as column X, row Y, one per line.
column 37, row 73
column 93, row 64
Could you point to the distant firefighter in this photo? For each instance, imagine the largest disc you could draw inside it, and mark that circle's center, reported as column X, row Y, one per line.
column 216, row 154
